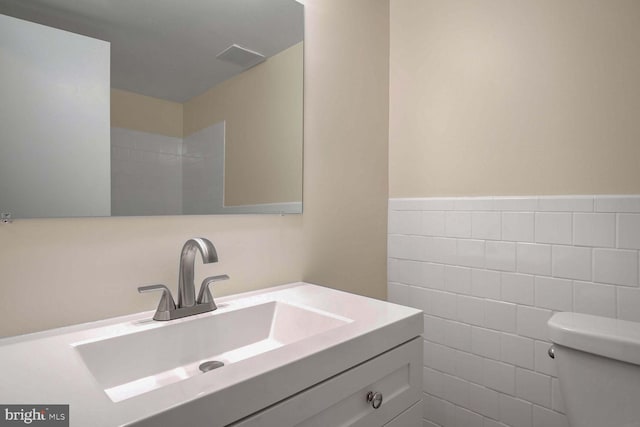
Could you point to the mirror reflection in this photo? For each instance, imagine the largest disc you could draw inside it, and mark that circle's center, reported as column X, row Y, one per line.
column 204, row 107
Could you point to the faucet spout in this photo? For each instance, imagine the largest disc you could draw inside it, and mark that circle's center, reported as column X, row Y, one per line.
column 186, row 285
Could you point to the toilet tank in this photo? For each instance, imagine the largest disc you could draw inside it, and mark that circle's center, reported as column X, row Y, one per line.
column 598, row 361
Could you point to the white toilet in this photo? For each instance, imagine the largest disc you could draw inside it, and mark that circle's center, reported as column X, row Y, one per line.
column 598, row 361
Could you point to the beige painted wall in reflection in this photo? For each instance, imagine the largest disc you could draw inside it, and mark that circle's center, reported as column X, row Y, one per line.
column 262, row 108
column 145, row 114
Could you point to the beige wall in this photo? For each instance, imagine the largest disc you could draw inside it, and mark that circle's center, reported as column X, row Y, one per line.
column 60, row 272
column 504, row 97
column 57, row 272
column 346, row 144
column 146, row 114
column 263, row 154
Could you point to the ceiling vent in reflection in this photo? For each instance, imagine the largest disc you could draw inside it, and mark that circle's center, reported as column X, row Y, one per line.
column 240, row 56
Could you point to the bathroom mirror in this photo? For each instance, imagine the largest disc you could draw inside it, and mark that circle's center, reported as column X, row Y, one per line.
column 205, row 111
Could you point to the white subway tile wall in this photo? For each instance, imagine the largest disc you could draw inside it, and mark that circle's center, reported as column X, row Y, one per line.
column 488, row 272
column 146, row 173
column 154, row 174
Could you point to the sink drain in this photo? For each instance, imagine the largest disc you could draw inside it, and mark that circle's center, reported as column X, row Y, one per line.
column 210, row 365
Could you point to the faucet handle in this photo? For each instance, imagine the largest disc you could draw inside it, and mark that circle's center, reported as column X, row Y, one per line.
column 166, row 303
column 204, row 296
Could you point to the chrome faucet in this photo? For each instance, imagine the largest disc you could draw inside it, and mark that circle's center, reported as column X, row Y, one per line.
column 186, row 285
column 187, row 303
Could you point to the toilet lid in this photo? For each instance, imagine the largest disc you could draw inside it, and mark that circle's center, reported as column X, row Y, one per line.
column 612, row 338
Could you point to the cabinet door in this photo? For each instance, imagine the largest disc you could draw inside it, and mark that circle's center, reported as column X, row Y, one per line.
column 342, row 400
column 412, row 417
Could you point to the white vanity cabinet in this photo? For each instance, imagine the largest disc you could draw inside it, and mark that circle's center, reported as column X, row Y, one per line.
column 342, row 400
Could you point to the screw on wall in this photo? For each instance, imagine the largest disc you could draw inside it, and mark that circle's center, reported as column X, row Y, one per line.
column 5, row 218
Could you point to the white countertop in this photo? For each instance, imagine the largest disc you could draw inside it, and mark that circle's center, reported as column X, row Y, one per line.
column 46, row 368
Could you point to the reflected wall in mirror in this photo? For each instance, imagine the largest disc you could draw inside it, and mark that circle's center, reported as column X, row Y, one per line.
column 183, row 132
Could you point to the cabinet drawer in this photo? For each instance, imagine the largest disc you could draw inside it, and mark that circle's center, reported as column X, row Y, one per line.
column 342, row 400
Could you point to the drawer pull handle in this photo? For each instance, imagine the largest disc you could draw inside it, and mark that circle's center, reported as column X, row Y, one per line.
column 375, row 398
column 552, row 352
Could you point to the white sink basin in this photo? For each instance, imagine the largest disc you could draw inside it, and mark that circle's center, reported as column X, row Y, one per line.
column 134, row 371
column 135, row 363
